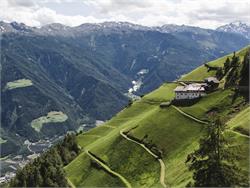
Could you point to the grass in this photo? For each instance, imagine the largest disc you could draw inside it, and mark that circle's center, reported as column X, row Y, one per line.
column 163, row 93
column 241, row 121
column 240, row 145
column 217, row 100
column 51, row 117
column 201, row 72
column 110, row 149
column 110, row 171
column 170, row 131
column 122, row 156
column 127, row 158
column 82, row 174
column 18, row 84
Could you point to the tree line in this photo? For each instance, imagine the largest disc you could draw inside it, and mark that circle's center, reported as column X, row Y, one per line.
column 214, row 163
column 236, row 72
column 47, row 169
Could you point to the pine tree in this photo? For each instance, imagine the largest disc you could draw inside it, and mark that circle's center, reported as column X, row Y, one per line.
column 233, row 76
column 47, row 170
column 38, row 178
column 219, row 73
column 244, row 81
column 227, row 65
column 213, row 163
column 235, row 61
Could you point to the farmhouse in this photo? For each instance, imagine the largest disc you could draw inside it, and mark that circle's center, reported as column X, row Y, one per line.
column 190, row 91
column 212, row 82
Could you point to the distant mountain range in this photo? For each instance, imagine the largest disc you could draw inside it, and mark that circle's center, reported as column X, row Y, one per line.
column 236, row 27
column 58, row 78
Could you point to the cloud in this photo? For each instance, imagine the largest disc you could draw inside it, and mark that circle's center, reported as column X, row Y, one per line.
column 21, row 3
column 203, row 13
column 37, row 15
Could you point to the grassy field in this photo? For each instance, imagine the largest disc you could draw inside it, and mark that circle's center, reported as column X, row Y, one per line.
column 240, row 145
column 241, row 121
column 163, row 93
column 201, row 72
column 18, row 84
column 82, row 173
column 219, row 100
column 128, row 159
column 51, row 117
column 169, row 130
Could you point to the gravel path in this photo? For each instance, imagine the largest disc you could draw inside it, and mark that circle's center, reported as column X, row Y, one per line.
column 189, row 116
column 163, row 167
column 109, row 170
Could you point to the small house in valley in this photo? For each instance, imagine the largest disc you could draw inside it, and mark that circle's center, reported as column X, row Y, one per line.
column 190, row 91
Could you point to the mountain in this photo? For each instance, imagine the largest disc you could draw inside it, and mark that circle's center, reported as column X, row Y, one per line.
column 147, row 143
column 236, row 27
column 172, row 130
column 58, row 78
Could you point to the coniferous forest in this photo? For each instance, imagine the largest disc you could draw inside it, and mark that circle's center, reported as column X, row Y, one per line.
column 47, row 170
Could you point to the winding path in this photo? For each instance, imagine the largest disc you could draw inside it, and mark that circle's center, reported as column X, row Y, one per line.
column 236, row 132
column 189, row 116
column 163, row 167
column 109, row 170
column 70, row 183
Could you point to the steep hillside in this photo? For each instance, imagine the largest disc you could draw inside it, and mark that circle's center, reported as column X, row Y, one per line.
column 146, row 145
column 58, row 78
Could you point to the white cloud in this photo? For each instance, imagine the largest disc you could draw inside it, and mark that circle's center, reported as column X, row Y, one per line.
column 203, row 13
column 37, row 15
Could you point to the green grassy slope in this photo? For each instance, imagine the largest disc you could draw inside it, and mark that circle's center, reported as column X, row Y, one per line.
column 175, row 134
column 201, row 72
column 241, row 120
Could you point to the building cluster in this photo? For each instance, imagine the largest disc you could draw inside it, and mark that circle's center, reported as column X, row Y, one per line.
column 196, row 90
column 8, row 176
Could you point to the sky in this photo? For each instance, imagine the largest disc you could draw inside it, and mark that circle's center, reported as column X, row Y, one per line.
column 201, row 13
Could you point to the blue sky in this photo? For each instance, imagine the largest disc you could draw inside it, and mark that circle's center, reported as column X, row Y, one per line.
column 202, row 13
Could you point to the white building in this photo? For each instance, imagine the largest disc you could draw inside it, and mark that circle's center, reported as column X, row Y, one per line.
column 190, row 91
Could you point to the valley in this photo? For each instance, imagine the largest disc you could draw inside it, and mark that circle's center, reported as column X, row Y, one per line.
column 77, row 80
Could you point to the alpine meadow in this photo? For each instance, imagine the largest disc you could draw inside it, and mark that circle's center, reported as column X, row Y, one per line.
column 113, row 93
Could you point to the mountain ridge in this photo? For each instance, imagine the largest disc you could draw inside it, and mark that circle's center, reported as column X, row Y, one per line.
column 87, row 75
column 236, row 27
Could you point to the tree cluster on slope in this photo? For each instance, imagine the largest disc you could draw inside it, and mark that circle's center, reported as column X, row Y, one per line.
column 213, row 164
column 47, row 170
column 236, row 72
column 244, row 80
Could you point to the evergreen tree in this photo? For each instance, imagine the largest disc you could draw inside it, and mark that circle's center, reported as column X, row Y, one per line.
column 244, row 80
column 233, row 76
column 235, row 61
column 47, row 170
column 227, row 65
column 219, row 73
column 213, row 163
column 38, row 178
